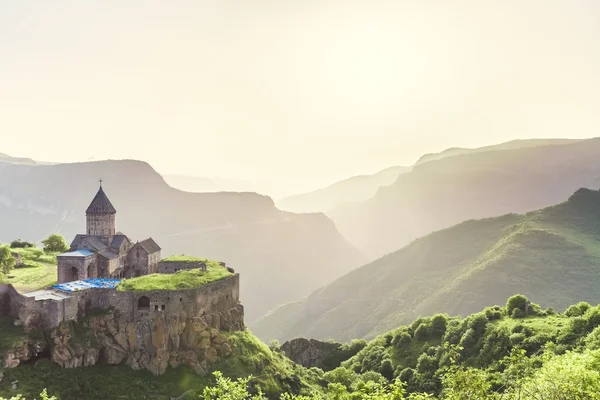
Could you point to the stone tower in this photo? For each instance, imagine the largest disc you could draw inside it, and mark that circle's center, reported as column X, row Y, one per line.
column 101, row 216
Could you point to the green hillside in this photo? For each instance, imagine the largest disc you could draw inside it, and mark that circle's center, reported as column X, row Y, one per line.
column 552, row 255
column 514, row 352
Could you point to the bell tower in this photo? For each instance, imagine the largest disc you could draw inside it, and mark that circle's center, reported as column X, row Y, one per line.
column 101, row 216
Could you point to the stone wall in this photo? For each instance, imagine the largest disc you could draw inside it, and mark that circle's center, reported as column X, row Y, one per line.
column 213, row 298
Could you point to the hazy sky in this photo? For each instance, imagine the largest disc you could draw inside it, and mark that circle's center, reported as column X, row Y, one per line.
column 300, row 91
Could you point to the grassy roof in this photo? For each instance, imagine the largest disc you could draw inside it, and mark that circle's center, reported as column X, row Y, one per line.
column 183, row 258
column 180, row 280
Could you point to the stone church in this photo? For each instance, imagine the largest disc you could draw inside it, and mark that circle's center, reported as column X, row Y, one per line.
column 102, row 252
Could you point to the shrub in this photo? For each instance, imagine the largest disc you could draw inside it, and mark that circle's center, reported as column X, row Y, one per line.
column 468, row 339
column 422, row 333
column 7, row 261
column 477, row 322
column 406, row 375
column 402, row 341
column 517, row 313
column 493, row 313
column 517, row 301
column 438, row 325
column 21, row 244
column 517, row 338
column 579, row 325
column 387, row 370
column 426, row 364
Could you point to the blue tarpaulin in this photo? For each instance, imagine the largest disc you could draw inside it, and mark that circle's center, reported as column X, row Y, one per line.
column 97, row 283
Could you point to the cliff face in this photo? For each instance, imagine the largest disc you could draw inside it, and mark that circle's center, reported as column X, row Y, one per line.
column 166, row 340
column 153, row 344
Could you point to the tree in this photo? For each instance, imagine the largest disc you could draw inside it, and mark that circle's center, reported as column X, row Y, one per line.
column 21, row 244
column 7, row 261
column 517, row 301
column 55, row 243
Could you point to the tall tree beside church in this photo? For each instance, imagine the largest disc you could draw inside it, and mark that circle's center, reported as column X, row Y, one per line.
column 55, row 243
column 7, row 261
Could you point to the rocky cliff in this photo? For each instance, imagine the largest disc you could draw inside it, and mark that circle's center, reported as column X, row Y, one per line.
column 154, row 344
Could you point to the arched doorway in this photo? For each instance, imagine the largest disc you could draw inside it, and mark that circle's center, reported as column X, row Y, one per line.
column 91, row 271
column 143, row 303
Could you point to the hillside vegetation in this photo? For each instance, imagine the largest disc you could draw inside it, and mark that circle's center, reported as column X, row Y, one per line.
column 552, row 255
column 514, row 352
column 480, row 184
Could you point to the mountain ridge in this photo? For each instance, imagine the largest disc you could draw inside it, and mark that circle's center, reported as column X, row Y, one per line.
column 550, row 254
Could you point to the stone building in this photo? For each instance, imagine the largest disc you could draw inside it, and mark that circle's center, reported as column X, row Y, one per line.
column 102, row 252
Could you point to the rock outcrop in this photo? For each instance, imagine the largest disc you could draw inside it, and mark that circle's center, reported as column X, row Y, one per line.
column 21, row 352
column 154, row 344
column 309, row 353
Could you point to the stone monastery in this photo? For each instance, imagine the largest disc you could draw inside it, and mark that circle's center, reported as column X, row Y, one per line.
column 102, row 252
column 145, row 329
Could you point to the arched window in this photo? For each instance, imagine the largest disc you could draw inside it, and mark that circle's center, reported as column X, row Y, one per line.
column 143, row 303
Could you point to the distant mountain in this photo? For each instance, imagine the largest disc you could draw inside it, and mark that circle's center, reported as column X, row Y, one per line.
column 513, row 144
column 191, row 183
column 438, row 194
column 357, row 188
column 281, row 256
column 20, row 160
column 551, row 255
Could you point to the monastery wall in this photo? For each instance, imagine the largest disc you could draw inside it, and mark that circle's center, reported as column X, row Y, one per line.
column 215, row 300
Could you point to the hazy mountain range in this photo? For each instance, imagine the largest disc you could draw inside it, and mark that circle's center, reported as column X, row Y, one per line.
column 551, row 255
column 282, row 256
column 440, row 193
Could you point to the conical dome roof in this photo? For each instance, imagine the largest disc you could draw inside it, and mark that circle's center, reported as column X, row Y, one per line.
column 101, row 204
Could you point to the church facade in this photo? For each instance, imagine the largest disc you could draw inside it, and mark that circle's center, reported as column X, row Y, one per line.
column 102, row 252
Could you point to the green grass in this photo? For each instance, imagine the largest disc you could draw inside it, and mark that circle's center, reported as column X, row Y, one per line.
column 32, row 278
column 11, row 336
column 183, row 258
column 39, row 270
column 179, row 280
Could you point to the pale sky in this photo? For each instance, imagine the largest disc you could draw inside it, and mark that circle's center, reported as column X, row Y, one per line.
column 302, row 92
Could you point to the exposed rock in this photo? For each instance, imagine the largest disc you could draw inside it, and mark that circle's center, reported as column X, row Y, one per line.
column 309, row 353
column 21, row 352
column 154, row 344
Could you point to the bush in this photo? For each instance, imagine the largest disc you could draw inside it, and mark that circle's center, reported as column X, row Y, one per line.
column 517, row 313
column 517, row 338
column 21, row 244
column 422, row 333
column 438, row 325
column 7, row 261
column 387, row 369
column 402, row 341
column 517, row 301
column 477, row 322
column 579, row 325
column 493, row 313
column 406, row 375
